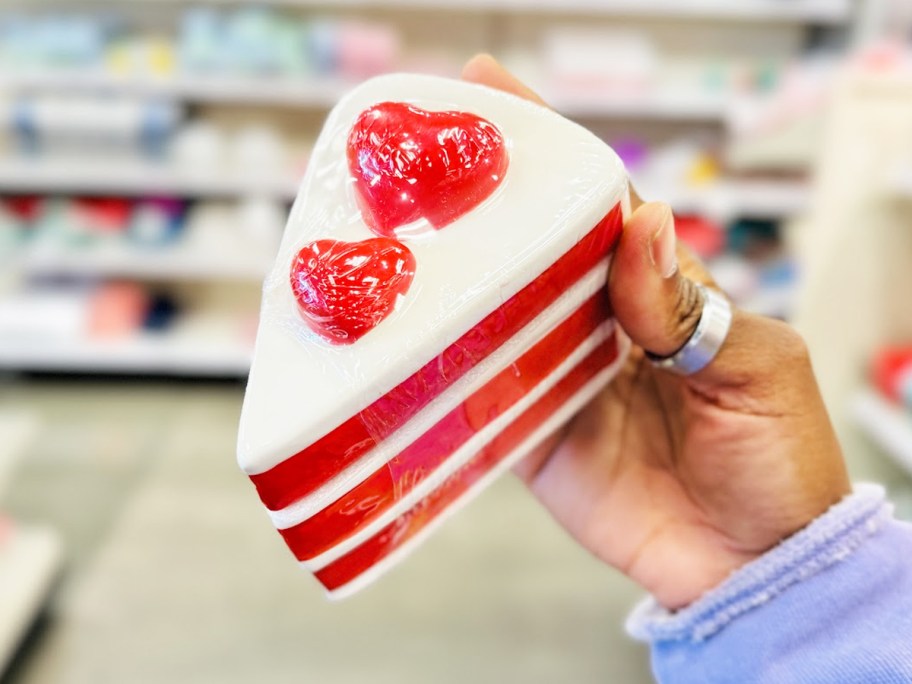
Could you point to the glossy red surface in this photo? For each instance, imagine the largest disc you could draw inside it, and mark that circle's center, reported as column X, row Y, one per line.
column 344, row 289
column 346, row 568
column 303, row 472
column 409, row 164
column 380, row 491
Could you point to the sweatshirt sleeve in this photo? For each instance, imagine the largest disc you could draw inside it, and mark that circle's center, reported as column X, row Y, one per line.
column 832, row 603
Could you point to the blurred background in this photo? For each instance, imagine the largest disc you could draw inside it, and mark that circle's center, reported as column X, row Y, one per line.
column 149, row 152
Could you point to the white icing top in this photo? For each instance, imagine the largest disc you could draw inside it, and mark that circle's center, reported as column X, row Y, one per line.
column 560, row 183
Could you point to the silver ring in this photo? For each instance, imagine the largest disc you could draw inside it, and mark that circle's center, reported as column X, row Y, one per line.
column 706, row 340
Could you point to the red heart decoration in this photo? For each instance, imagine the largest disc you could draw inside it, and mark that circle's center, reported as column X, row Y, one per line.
column 344, row 289
column 409, row 163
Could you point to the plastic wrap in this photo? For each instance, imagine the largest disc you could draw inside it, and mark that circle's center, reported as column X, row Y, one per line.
column 437, row 309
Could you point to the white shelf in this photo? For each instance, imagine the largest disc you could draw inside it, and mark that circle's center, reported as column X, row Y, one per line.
column 303, row 92
column 163, row 263
column 811, row 11
column 150, row 354
column 659, row 105
column 137, row 179
column 266, row 90
column 29, row 561
column 888, row 425
column 727, row 199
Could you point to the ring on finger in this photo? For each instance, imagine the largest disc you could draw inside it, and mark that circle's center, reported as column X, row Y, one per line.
column 705, row 341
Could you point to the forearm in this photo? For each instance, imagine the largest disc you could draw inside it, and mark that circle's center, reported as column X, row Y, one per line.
column 833, row 603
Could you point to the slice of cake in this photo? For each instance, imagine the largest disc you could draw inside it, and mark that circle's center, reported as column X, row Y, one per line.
column 437, row 308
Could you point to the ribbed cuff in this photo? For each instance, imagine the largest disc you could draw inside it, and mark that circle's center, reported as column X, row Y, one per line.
column 827, row 540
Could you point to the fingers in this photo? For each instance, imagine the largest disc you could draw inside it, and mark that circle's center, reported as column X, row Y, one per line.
column 485, row 70
column 655, row 303
column 653, row 291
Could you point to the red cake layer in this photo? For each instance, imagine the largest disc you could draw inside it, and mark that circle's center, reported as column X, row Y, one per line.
column 401, row 474
column 348, row 567
column 308, row 469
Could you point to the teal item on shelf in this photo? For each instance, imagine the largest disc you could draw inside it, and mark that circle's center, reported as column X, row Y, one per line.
column 200, row 41
column 251, row 41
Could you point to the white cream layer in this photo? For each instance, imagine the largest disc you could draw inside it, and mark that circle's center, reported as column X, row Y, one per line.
column 548, row 427
column 562, row 180
column 446, row 401
column 467, row 451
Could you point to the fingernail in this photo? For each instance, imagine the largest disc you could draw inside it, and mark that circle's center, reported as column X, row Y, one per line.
column 663, row 248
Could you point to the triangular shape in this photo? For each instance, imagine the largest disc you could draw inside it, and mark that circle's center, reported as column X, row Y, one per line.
column 500, row 335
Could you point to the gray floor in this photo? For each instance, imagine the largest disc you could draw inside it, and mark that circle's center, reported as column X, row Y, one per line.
column 175, row 575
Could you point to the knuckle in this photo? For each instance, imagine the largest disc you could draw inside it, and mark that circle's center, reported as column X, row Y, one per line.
column 687, row 311
column 792, row 345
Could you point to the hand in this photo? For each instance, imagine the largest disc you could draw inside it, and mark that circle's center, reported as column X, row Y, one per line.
column 679, row 481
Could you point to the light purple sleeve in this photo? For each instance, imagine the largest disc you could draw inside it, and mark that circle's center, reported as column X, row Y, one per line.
column 833, row 603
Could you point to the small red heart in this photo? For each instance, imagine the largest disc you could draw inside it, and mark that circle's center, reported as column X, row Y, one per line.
column 344, row 289
column 409, row 163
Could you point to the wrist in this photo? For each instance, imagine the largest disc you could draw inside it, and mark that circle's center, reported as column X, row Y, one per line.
column 828, row 540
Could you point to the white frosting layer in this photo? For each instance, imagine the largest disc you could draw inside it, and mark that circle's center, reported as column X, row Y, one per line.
column 467, row 451
column 561, row 181
column 445, row 402
column 548, row 427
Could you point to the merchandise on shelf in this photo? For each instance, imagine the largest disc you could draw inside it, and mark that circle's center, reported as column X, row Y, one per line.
column 116, row 310
column 262, row 41
column 245, row 42
column 54, row 41
column 704, row 236
column 71, row 126
column 892, row 373
column 156, row 221
column 587, row 61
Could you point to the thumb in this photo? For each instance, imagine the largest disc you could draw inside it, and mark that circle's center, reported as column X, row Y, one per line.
column 654, row 301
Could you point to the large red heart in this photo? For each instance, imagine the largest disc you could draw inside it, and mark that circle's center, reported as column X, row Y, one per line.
column 409, row 163
column 344, row 289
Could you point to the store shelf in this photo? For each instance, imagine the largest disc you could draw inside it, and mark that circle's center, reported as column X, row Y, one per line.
column 301, row 92
column 658, row 105
column 150, row 354
column 812, row 11
column 265, row 90
column 888, row 425
column 728, row 199
column 164, row 263
column 137, row 179
column 29, row 561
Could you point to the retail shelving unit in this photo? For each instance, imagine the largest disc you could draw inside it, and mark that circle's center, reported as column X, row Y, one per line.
column 816, row 11
column 285, row 96
column 888, row 425
column 138, row 179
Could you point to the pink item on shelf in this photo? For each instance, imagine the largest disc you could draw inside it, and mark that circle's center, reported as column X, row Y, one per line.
column 117, row 310
column 436, row 310
column 102, row 214
column 704, row 236
column 366, row 49
column 891, row 368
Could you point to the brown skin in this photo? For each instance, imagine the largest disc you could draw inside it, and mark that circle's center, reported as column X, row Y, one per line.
column 677, row 481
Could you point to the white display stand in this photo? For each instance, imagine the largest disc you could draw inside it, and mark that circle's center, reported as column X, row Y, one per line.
column 29, row 556
column 856, row 243
column 29, row 560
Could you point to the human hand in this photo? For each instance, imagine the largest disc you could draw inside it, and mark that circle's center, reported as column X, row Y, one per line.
column 678, row 481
